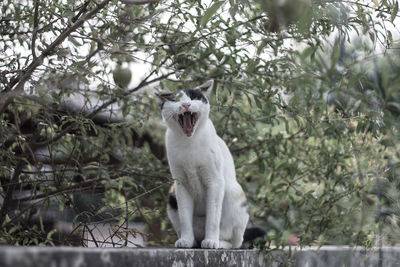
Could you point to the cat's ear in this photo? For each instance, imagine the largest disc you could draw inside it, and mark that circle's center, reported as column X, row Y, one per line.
column 206, row 87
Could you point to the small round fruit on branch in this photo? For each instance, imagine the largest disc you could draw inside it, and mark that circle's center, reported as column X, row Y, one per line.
column 284, row 12
column 122, row 76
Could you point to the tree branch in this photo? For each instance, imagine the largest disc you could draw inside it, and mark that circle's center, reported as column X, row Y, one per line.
column 90, row 184
column 9, row 192
column 138, row 2
column 16, row 87
column 81, row 11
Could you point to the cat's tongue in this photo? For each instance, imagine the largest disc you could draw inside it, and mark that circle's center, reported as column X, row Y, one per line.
column 187, row 124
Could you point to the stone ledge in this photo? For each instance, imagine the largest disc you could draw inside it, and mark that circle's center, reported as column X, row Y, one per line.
column 123, row 257
column 346, row 256
column 153, row 257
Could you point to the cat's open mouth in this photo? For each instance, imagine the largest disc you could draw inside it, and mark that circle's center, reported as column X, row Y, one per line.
column 187, row 121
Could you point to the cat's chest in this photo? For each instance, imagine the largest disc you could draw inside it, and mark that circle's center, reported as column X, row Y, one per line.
column 194, row 179
column 198, row 153
column 196, row 164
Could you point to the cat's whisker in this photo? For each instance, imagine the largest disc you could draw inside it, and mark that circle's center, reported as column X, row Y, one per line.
column 170, row 116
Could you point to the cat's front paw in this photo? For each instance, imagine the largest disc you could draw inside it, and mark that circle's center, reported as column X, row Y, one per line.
column 184, row 243
column 210, row 243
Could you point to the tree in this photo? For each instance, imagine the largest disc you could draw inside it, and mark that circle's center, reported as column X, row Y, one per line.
column 309, row 167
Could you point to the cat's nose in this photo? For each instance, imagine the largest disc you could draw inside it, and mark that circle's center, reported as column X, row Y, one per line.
column 186, row 105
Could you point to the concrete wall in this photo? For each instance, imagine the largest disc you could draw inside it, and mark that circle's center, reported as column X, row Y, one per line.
column 109, row 257
column 338, row 256
column 152, row 257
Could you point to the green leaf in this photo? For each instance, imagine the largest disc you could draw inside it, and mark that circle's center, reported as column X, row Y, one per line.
column 261, row 166
column 394, row 105
column 385, row 79
column 372, row 36
column 394, row 11
column 306, row 53
column 357, row 104
column 260, row 48
column 210, row 12
column 74, row 41
column 233, row 10
column 251, row 66
column 6, row 220
column 258, row 103
column 335, row 53
column 389, row 37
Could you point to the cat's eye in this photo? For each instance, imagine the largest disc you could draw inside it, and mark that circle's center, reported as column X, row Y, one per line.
column 166, row 95
column 169, row 96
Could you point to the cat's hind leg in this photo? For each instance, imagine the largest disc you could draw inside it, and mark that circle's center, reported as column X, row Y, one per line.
column 235, row 217
column 237, row 236
column 240, row 227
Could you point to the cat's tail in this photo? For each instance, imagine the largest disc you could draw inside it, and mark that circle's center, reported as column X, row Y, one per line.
column 252, row 233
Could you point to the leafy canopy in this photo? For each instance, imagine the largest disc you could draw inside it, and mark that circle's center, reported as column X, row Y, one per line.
column 307, row 99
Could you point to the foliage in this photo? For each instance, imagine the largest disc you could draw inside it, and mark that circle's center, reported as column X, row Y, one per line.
column 306, row 102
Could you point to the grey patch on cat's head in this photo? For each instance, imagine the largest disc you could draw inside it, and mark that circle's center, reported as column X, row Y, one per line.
column 200, row 92
column 196, row 94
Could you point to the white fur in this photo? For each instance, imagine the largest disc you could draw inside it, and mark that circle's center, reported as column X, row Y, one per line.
column 211, row 210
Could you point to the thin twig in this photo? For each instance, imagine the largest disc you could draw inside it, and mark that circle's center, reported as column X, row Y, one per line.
column 35, row 28
column 115, row 99
column 81, row 11
column 90, row 232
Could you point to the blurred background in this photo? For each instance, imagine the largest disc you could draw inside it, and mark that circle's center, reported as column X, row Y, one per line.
column 306, row 96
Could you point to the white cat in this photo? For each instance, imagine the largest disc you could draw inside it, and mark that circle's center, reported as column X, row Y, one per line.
column 210, row 209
